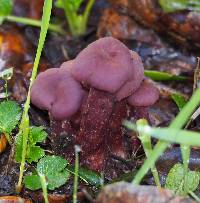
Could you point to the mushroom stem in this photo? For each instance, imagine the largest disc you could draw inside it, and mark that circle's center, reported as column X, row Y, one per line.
column 94, row 120
column 115, row 135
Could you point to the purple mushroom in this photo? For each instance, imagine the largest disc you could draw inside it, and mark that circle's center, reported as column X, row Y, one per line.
column 56, row 90
column 98, row 84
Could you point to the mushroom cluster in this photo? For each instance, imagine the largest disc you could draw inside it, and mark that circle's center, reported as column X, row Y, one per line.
column 98, row 85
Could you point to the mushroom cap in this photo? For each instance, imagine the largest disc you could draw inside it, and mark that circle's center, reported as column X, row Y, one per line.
column 68, row 65
column 146, row 95
column 136, row 78
column 56, row 90
column 105, row 64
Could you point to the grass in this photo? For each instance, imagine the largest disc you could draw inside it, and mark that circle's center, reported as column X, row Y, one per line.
column 77, row 150
column 24, row 125
column 146, row 143
column 44, row 187
column 35, row 23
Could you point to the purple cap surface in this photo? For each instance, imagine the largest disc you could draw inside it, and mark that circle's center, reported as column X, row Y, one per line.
column 106, row 64
column 136, row 77
column 146, row 95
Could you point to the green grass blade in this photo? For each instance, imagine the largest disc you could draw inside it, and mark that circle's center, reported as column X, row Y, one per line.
column 194, row 196
column 35, row 23
column 76, row 169
column 179, row 100
column 171, row 135
column 147, row 146
column 44, row 187
column 163, row 76
column 44, row 27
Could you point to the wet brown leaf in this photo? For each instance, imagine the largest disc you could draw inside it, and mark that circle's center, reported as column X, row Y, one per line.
column 3, row 143
column 13, row 199
column 28, row 8
column 183, row 26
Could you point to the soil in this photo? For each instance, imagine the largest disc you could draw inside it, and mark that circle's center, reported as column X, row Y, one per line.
column 166, row 42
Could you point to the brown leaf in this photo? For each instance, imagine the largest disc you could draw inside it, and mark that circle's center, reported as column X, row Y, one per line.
column 3, row 143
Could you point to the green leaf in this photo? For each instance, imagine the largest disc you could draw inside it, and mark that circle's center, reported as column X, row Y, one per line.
column 32, row 182
column 51, row 164
column 54, row 181
column 163, row 76
column 179, row 100
column 37, row 134
column 180, row 184
column 59, row 4
column 57, row 179
column 34, row 153
column 92, row 177
column 175, row 5
column 54, row 168
column 89, row 176
column 6, row 7
column 74, row 4
column 10, row 114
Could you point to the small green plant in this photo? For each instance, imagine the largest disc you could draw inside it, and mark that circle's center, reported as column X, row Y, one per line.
column 60, row 168
column 176, row 125
column 10, row 111
column 180, row 178
column 174, row 5
column 6, row 8
column 77, row 22
column 181, row 183
column 54, row 170
column 6, row 75
column 10, row 114
column 34, row 153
